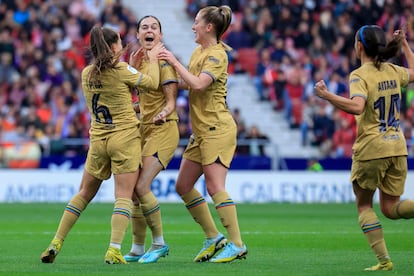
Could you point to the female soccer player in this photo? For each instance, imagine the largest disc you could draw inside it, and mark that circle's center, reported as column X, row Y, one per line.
column 159, row 138
column 211, row 146
column 380, row 150
column 115, row 141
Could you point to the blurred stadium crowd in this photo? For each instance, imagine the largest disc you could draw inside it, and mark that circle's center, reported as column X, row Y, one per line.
column 283, row 45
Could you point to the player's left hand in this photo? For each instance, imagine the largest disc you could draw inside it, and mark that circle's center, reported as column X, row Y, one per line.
column 135, row 58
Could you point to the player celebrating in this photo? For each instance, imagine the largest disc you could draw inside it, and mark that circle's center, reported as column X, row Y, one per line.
column 114, row 137
column 159, row 136
column 380, row 151
column 212, row 145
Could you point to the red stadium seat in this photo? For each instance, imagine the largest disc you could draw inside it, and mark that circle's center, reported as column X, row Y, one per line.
column 248, row 59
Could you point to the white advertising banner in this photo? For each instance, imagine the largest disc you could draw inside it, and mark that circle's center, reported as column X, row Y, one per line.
column 243, row 186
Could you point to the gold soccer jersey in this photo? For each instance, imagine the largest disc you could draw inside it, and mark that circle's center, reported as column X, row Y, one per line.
column 382, row 91
column 208, row 109
column 152, row 101
column 109, row 100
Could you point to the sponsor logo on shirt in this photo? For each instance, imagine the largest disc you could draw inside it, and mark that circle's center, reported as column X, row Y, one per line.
column 354, row 80
column 213, row 59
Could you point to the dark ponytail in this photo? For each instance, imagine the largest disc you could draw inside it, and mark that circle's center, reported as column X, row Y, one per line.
column 375, row 44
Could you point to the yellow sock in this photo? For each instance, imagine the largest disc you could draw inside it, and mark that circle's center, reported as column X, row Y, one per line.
column 228, row 215
column 198, row 208
column 139, row 225
column 404, row 209
column 151, row 210
column 71, row 214
column 120, row 219
column 372, row 229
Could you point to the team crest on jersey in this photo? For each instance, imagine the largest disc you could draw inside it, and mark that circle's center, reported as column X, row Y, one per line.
column 132, row 69
column 213, row 59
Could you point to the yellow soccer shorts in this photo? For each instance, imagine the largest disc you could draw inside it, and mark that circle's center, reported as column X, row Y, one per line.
column 117, row 152
column 387, row 174
column 161, row 140
column 209, row 149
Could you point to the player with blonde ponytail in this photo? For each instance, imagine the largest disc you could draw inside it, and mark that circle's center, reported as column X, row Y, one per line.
column 212, row 145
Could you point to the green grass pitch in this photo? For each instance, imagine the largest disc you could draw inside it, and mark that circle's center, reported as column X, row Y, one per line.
column 282, row 239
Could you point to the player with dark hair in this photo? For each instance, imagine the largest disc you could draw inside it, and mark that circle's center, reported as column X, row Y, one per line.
column 159, row 139
column 115, row 140
column 212, row 145
column 380, row 150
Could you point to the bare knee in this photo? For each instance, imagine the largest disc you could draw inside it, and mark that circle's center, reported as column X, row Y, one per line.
column 88, row 195
column 141, row 189
column 389, row 205
column 212, row 190
column 182, row 189
column 389, row 212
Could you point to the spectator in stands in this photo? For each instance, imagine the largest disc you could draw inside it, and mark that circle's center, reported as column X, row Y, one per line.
column 343, row 27
column 304, row 38
column 309, row 112
column 344, row 68
column 7, row 46
column 323, row 129
column 237, row 37
column 388, row 18
column 249, row 20
column 343, row 139
column 75, row 133
column 241, row 125
column 337, row 85
column 292, row 96
column 8, row 73
column 278, row 51
column 31, row 118
column 255, row 143
column 276, row 95
column 317, row 50
column 263, row 31
column 326, row 28
column 284, row 20
column 313, row 165
column 265, row 75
